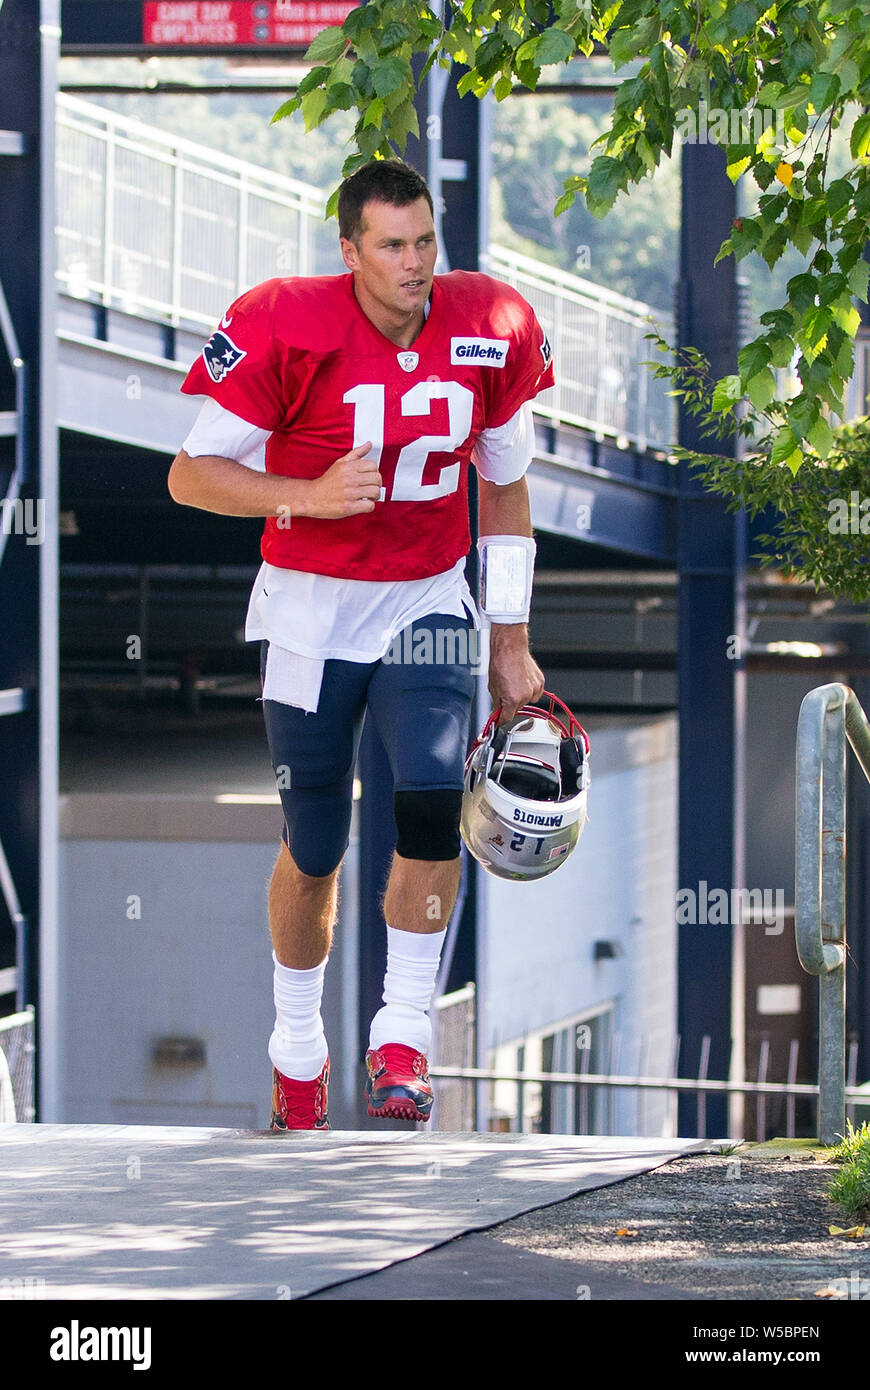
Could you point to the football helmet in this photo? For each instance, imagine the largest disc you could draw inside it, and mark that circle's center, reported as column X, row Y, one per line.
column 524, row 801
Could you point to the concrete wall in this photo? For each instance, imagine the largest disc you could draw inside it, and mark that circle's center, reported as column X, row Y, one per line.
column 618, row 885
column 196, row 963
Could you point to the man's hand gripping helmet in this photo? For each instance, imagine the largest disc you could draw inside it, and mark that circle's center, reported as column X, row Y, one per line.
column 524, row 802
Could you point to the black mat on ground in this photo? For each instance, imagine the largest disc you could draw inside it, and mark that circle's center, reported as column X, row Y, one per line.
column 479, row 1267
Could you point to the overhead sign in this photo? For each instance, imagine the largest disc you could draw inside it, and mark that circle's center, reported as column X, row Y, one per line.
column 239, row 23
column 195, row 26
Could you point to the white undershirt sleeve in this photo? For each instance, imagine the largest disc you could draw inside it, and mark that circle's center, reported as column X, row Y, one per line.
column 218, row 431
column 502, row 455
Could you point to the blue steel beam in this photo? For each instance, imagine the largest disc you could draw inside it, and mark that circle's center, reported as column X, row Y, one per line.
column 29, row 39
column 20, row 251
column 602, row 508
column 709, row 544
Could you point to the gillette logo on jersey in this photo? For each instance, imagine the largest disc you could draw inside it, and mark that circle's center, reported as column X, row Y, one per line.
column 480, row 350
column 307, row 364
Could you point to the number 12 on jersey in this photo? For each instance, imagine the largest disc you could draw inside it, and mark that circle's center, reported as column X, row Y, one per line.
column 369, row 414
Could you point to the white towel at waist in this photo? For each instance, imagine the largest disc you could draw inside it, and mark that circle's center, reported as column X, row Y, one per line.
column 292, row 679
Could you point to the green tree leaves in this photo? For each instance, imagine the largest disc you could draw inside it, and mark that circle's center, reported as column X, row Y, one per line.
column 606, row 178
column 859, row 141
column 390, row 75
column 327, row 46
column 769, row 478
column 554, row 46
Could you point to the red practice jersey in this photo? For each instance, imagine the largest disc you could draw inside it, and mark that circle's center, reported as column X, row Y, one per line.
column 298, row 356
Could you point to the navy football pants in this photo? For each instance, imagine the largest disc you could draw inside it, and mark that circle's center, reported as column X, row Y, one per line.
column 421, row 711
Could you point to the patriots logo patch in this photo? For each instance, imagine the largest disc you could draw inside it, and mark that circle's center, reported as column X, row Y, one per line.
column 220, row 355
column 546, row 351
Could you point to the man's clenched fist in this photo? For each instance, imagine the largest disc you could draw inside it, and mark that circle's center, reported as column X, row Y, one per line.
column 349, row 486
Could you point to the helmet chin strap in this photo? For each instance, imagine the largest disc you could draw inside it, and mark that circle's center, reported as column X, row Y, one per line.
column 499, row 740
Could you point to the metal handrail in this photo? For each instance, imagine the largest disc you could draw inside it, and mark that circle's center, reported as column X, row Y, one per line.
column 162, row 227
column 576, row 287
column 856, row 1095
column 84, row 115
column 16, row 1020
column 673, row 1086
column 599, row 341
column 829, row 715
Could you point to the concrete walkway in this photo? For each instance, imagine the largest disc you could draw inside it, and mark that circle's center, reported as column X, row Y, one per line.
column 141, row 1212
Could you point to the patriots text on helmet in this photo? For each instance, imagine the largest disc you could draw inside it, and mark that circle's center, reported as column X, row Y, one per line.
column 530, row 818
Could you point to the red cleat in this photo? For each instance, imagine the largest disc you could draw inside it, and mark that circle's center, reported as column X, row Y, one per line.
column 300, row 1104
column 398, row 1085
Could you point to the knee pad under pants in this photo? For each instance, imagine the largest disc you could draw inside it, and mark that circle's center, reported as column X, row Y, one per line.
column 428, row 823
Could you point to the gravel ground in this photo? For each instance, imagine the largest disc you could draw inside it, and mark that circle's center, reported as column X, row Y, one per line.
column 748, row 1225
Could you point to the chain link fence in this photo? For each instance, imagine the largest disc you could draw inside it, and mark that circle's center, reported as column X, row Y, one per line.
column 17, row 1049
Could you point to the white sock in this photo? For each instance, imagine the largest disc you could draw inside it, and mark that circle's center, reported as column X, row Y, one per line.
column 297, row 1046
column 412, row 965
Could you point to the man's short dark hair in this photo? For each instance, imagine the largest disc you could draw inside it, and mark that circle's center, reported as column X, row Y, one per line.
column 389, row 181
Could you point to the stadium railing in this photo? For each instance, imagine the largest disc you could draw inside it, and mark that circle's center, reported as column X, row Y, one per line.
column 829, row 716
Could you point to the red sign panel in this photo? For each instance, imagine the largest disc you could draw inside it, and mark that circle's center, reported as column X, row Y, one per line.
column 239, row 23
